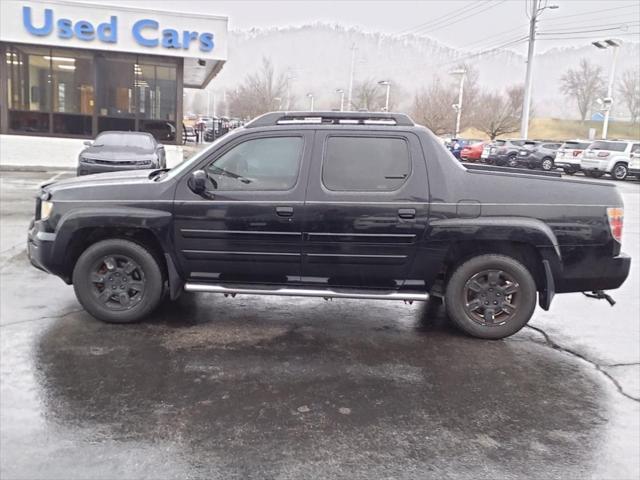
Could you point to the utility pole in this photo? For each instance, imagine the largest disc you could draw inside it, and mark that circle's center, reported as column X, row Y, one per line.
column 536, row 10
column 458, row 106
column 289, row 78
column 353, row 64
column 341, row 92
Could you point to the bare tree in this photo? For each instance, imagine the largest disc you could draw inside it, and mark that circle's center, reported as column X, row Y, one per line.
column 367, row 95
column 584, row 84
column 432, row 107
column 261, row 92
column 629, row 90
column 499, row 113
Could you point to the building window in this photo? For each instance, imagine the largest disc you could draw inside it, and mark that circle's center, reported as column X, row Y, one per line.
column 156, row 88
column 28, row 88
column 115, row 92
column 73, row 96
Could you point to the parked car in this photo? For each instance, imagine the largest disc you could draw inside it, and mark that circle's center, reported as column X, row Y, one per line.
column 456, row 145
column 113, row 151
column 569, row 155
column 538, row 155
column 504, row 152
column 608, row 156
column 161, row 131
column 472, row 153
column 634, row 164
column 260, row 212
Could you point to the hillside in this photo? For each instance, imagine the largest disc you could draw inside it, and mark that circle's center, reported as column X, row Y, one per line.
column 319, row 57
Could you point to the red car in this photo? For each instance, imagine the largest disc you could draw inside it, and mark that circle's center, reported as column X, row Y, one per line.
column 471, row 153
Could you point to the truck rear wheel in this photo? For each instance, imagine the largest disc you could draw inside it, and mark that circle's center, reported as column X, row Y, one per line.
column 491, row 296
column 118, row 281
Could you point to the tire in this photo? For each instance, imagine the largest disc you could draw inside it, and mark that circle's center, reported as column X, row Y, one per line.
column 547, row 164
column 125, row 267
column 461, row 296
column 570, row 171
column 512, row 161
column 620, row 171
column 592, row 174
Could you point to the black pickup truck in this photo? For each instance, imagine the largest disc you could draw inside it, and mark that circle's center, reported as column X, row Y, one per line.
column 333, row 205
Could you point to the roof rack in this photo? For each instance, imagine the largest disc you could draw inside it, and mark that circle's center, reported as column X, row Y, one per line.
column 330, row 118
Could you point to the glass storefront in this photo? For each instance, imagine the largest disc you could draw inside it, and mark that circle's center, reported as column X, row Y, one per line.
column 80, row 93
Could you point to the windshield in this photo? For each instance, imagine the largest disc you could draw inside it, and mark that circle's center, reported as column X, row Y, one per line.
column 124, row 140
column 614, row 146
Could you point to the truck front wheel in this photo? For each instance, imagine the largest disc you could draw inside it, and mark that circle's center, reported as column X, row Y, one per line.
column 118, row 281
column 491, row 296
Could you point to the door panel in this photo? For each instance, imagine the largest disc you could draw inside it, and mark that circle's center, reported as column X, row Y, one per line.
column 363, row 238
column 253, row 235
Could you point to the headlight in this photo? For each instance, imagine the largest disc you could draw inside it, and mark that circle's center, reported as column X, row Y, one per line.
column 45, row 209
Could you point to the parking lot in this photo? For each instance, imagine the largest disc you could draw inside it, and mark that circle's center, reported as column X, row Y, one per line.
column 260, row 387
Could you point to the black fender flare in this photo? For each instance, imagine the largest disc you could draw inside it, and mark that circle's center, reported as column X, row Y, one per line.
column 157, row 222
column 524, row 230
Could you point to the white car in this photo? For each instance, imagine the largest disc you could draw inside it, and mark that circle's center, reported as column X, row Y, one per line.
column 608, row 156
column 634, row 164
column 569, row 155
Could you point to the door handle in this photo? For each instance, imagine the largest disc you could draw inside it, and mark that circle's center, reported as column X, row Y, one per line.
column 284, row 211
column 407, row 212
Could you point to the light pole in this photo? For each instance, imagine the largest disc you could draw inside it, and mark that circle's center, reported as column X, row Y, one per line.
column 289, row 78
column 310, row 95
column 458, row 106
column 279, row 100
column 341, row 92
column 353, row 64
column 608, row 101
column 536, row 10
column 386, row 83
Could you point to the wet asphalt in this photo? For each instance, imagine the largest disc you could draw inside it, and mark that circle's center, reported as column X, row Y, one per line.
column 288, row 388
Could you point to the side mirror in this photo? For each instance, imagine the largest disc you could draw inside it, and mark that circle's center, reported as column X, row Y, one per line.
column 198, row 182
column 88, row 143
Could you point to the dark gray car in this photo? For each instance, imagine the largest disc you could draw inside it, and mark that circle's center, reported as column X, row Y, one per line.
column 113, row 151
column 536, row 154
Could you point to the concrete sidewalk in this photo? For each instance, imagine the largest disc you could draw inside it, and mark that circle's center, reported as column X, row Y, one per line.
column 31, row 153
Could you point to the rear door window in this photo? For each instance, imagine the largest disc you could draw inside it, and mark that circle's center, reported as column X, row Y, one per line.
column 365, row 163
column 613, row 146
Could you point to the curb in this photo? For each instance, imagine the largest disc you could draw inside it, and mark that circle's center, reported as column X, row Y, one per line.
column 34, row 168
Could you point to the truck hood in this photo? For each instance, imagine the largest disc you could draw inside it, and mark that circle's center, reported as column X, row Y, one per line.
column 127, row 177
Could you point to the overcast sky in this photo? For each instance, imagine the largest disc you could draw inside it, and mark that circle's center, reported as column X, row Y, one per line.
column 471, row 24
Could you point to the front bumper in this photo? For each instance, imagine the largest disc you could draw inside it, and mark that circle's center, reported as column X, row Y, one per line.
column 40, row 247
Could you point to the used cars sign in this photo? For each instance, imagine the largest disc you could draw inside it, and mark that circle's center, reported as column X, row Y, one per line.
column 146, row 31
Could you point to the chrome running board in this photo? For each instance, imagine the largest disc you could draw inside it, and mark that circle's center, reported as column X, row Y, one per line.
column 305, row 292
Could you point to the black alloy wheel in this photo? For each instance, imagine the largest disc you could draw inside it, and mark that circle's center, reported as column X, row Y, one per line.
column 491, row 297
column 512, row 161
column 118, row 282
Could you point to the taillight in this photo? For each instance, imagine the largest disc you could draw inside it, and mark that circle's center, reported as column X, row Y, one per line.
column 603, row 154
column 616, row 219
column 577, row 152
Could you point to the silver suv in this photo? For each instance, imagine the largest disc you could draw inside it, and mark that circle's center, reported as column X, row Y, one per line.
column 608, row 156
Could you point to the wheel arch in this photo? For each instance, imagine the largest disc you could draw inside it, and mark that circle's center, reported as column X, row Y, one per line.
column 530, row 241
column 79, row 229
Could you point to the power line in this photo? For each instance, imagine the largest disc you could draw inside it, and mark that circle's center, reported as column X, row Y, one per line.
column 572, row 32
column 589, row 37
column 592, row 12
column 512, row 42
column 467, row 6
column 447, row 24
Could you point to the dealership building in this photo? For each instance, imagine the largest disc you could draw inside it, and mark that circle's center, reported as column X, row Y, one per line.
column 71, row 70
